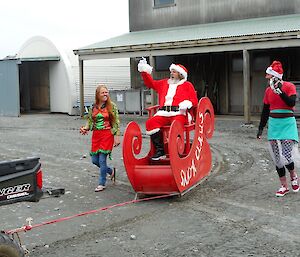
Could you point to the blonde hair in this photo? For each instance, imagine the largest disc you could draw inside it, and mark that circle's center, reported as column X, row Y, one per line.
column 109, row 105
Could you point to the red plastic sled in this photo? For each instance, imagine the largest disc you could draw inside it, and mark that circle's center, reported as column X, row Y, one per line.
column 186, row 164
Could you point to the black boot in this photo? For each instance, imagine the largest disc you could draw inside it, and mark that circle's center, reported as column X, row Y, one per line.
column 157, row 141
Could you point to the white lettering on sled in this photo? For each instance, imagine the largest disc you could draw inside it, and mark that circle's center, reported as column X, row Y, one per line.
column 191, row 171
column 188, row 174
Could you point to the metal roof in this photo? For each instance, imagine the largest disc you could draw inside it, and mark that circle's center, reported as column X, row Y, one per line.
column 32, row 59
column 247, row 30
column 36, row 59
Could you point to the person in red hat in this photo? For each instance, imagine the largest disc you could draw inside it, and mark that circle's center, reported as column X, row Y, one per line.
column 175, row 96
column 278, row 110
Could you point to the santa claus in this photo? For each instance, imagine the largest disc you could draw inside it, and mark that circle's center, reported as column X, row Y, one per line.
column 175, row 96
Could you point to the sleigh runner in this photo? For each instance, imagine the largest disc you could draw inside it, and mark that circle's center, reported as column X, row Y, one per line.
column 187, row 162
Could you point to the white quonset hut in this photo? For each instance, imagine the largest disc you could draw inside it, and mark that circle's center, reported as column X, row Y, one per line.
column 42, row 78
column 46, row 77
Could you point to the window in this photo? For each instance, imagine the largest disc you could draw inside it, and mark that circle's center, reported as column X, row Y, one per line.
column 260, row 63
column 162, row 63
column 163, row 3
column 237, row 64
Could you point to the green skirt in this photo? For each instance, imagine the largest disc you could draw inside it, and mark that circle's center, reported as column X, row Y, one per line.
column 282, row 128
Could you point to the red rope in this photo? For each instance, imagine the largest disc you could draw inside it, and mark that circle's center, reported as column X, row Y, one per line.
column 29, row 227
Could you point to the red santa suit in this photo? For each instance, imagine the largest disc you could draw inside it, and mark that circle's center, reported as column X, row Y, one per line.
column 173, row 99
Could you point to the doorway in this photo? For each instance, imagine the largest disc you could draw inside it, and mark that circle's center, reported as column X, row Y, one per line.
column 34, row 86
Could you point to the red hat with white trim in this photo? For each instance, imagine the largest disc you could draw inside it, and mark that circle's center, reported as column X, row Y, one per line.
column 180, row 68
column 275, row 69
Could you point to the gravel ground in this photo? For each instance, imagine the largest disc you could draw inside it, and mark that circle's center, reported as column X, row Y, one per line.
column 232, row 213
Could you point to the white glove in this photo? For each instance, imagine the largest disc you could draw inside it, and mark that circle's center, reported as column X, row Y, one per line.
column 276, row 85
column 186, row 104
column 143, row 66
column 277, row 91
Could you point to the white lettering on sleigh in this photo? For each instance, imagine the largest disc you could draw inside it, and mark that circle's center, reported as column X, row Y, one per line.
column 191, row 171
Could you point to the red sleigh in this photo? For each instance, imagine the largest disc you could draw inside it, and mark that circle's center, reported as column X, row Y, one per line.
column 186, row 164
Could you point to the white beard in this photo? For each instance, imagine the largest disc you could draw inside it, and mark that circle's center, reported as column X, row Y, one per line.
column 173, row 81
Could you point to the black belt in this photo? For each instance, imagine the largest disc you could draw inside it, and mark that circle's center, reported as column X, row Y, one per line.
column 281, row 115
column 169, row 108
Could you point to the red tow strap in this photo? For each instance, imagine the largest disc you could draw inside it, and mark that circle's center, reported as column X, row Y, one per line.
column 29, row 227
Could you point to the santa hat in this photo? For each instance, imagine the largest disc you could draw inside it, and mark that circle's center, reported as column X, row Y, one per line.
column 275, row 69
column 180, row 68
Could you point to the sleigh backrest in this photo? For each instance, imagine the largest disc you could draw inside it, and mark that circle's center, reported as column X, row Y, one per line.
column 188, row 127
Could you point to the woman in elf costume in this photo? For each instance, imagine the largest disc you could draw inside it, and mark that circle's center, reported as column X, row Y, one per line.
column 278, row 111
column 103, row 120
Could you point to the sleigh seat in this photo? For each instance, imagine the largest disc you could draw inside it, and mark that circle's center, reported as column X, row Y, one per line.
column 188, row 129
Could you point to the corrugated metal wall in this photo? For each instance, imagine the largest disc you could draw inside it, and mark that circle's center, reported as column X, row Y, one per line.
column 9, row 88
column 115, row 74
column 228, row 84
column 143, row 16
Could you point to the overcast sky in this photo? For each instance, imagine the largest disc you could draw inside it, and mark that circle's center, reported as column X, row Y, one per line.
column 68, row 24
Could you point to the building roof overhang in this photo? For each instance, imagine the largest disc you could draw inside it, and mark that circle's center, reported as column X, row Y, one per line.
column 258, row 33
column 40, row 59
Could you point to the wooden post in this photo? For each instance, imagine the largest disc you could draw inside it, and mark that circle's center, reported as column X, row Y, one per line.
column 226, row 79
column 246, row 76
column 153, row 93
column 81, row 87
